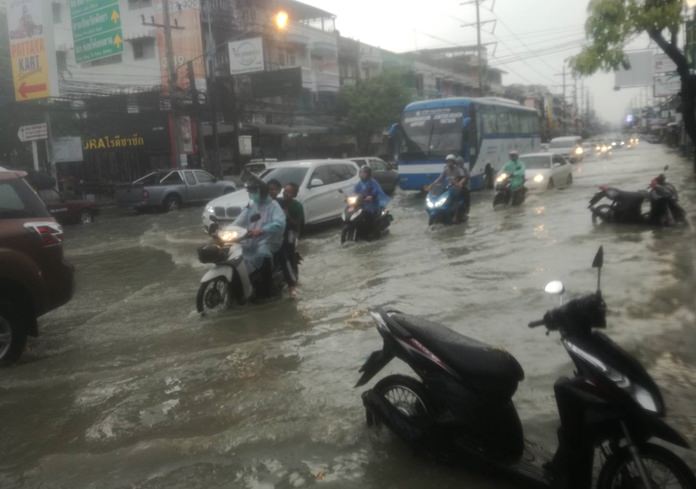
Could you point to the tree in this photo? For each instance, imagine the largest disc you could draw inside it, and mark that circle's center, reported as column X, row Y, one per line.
column 372, row 105
column 612, row 24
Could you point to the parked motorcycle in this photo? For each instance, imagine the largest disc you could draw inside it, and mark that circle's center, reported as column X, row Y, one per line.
column 229, row 281
column 504, row 195
column 462, row 404
column 441, row 205
column 627, row 207
column 357, row 226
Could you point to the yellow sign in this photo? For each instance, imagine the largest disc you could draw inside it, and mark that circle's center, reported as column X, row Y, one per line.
column 135, row 140
column 30, row 70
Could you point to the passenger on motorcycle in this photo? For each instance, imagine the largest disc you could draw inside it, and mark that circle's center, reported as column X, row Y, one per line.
column 457, row 178
column 265, row 221
column 374, row 200
column 515, row 168
column 294, row 214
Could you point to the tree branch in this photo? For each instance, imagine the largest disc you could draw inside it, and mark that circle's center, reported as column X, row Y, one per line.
column 672, row 51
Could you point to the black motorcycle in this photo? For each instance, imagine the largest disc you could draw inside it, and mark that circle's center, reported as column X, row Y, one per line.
column 462, row 405
column 504, row 195
column 661, row 198
column 358, row 225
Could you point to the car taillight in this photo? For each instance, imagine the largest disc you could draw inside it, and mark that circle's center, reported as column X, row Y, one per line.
column 146, row 194
column 50, row 233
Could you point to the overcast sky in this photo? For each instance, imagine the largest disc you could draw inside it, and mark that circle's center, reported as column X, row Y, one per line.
column 533, row 36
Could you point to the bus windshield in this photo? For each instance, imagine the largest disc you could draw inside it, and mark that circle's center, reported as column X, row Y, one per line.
column 430, row 133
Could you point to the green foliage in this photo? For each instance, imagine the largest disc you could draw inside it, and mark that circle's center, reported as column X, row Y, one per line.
column 612, row 24
column 372, row 105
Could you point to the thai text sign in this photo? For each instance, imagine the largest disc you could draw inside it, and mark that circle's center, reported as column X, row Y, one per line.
column 30, row 71
column 96, row 27
column 134, row 140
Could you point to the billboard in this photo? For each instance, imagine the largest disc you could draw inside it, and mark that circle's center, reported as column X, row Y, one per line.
column 96, row 28
column 30, row 70
column 187, row 43
column 640, row 72
column 246, row 56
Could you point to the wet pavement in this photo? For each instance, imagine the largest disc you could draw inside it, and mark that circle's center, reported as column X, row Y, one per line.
column 129, row 388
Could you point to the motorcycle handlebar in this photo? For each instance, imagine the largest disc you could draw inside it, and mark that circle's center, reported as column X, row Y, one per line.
column 536, row 324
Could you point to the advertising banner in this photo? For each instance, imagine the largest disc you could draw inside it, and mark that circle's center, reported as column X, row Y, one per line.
column 639, row 74
column 187, row 44
column 30, row 70
column 246, row 56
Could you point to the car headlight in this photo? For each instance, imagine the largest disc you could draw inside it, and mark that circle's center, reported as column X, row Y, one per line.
column 539, row 178
column 210, row 209
column 579, row 151
column 502, row 177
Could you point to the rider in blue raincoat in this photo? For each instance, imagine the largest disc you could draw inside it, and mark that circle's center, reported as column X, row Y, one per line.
column 515, row 168
column 265, row 221
column 373, row 197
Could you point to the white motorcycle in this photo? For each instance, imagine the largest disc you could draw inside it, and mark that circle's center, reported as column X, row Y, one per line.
column 229, row 280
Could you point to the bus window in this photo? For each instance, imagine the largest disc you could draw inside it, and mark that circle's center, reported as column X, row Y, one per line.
column 504, row 121
column 488, row 121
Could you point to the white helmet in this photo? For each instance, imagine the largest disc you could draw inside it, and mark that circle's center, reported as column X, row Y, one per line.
column 452, row 157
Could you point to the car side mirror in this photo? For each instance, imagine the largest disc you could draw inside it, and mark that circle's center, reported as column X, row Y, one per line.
column 316, row 182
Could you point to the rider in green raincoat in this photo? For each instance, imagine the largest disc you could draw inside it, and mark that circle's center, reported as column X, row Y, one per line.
column 515, row 168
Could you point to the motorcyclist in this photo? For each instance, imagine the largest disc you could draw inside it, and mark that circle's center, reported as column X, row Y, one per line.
column 374, row 200
column 515, row 168
column 265, row 221
column 466, row 194
column 294, row 214
column 457, row 178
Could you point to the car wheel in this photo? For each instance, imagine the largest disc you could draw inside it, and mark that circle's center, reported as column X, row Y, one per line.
column 13, row 334
column 172, row 203
column 86, row 217
column 551, row 185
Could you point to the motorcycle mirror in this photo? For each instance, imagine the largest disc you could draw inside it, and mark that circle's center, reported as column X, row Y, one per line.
column 555, row 288
column 598, row 263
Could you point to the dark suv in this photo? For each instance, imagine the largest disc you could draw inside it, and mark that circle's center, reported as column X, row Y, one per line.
column 34, row 276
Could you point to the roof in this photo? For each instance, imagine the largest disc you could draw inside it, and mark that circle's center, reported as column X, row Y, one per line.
column 543, row 153
column 306, row 163
column 302, row 11
column 465, row 102
column 6, row 174
column 566, row 138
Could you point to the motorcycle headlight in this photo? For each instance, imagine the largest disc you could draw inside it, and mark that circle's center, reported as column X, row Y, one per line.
column 539, row 178
column 441, row 201
column 352, row 200
column 501, row 178
column 228, row 236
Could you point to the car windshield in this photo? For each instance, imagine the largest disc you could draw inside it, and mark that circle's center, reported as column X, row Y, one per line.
column 536, row 162
column 18, row 201
column 563, row 143
column 285, row 175
column 433, row 133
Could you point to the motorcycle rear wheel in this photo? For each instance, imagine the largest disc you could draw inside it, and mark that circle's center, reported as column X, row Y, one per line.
column 409, row 397
column 213, row 296
column 665, row 470
column 602, row 212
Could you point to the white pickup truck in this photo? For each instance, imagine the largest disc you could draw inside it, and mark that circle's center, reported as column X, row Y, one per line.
column 170, row 189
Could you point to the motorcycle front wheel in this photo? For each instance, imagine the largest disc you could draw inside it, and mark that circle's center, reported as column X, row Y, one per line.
column 213, row 296
column 348, row 234
column 500, row 198
column 664, row 470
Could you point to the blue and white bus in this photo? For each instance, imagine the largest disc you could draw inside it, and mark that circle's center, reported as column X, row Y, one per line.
column 481, row 130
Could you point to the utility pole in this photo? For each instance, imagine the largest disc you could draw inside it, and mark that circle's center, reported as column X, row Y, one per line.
column 564, row 104
column 171, row 79
column 211, row 67
column 479, row 45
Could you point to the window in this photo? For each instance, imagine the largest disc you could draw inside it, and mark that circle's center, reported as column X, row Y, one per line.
column 57, row 13
column 172, row 179
column 136, row 4
column 345, row 172
column 325, row 174
column 489, row 121
column 378, row 165
column 204, row 177
column 559, row 159
column 106, row 61
column 190, row 179
column 17, row 201
column 143, row 48
column 50, row 196
column 504, row 126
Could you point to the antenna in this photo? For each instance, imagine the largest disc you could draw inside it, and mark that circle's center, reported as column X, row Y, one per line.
column 598, row 263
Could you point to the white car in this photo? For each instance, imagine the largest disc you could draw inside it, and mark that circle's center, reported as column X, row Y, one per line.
column 323, row 187
column 546, row 171
column 568, row 146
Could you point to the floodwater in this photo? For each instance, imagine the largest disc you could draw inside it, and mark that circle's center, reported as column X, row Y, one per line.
column 129, row 388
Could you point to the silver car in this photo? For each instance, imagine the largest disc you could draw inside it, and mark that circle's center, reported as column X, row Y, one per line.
column 323, row 185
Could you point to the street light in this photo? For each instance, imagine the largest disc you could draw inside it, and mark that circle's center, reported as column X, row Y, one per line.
column 281, row 20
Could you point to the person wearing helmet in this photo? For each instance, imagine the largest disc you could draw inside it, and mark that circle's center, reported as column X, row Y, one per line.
column 466, row 194
column 456, row 177
column 374, row 200
column 515, row 168
column 265, row 221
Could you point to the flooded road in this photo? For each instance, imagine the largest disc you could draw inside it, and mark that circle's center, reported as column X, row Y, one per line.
column 129, row 388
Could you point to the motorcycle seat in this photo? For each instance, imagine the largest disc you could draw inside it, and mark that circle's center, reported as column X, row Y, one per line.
column 490, row 370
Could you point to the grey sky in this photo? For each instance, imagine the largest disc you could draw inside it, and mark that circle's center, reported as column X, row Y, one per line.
column 534, row 37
